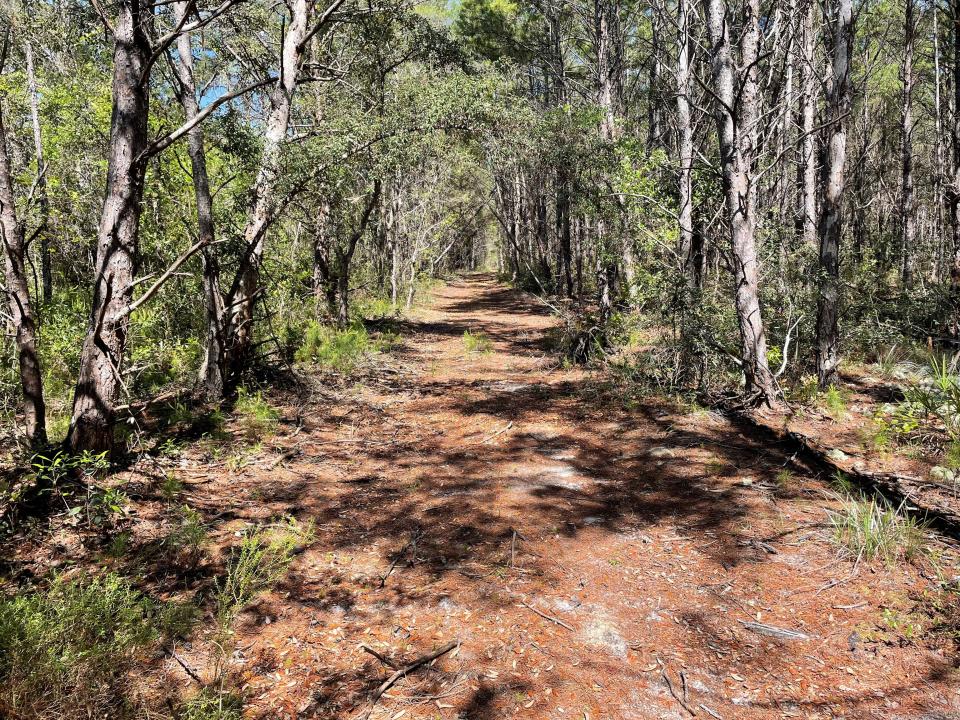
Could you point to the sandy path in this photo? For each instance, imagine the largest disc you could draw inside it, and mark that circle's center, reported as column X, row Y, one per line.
column 653, row 534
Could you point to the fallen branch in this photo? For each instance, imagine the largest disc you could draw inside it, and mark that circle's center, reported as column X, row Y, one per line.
column 774, row 631
column 182, row 663
column 498, row 432
column 683, row 703
column 385, row 660
column 899, row 489
column 402, row 672
column 411, row 541
column 551, row 618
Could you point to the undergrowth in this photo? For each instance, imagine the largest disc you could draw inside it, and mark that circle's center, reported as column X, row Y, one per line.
column 65, row 651
column 341, row 349
column 257, row 416
column 872, row 528
column 477, row 342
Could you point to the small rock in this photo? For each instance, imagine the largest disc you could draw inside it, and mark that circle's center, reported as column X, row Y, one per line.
column 938, row 472
column 661, row 452
column 838, row 455
column 605, row 634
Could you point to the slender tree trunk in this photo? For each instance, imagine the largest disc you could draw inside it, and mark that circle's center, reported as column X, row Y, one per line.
column 654, row 102
column 608, row 92
column 908, row 209
column 18, row 302
column 685, row 128
column 43, row 199
column 737, row 119
column 101, row 361
column 807, row 223
column 212, row 368
column 831, row 213
column 954, row 189
column 246, row 288
column 937, row 274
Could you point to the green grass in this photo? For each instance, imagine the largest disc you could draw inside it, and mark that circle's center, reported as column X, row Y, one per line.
column 256, row 415
column 784, row 478
column 869, row 529
column 260, row 560
column 210, row 704
column 834, row 402
column 477, row 342
column 65, row 651
column 341, row 350
column 188, row 535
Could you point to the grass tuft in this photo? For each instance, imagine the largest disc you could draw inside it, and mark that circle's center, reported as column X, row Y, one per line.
column 65, row 651
column 256, row 415
column 871, row 529
column 477, row 342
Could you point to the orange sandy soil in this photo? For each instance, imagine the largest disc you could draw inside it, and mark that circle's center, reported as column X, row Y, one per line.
column 652, row 534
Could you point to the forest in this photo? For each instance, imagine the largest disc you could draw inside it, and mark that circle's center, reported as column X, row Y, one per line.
column 468, row 359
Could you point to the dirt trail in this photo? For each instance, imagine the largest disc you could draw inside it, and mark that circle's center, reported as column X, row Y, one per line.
column 497, row 481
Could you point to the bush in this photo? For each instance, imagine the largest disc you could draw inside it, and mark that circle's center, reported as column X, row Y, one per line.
column 257, row 564
column 256, row 415
column 870, row 529
column 477, row 342
column 65, row 652
column 211, row 705
column 340, row 350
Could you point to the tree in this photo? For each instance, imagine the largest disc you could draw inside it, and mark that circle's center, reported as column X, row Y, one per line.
column 736, row 100
column 833, row 179
column 18, row 298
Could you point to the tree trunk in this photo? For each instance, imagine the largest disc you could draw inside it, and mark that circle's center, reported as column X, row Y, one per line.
column 737, row 119
column 831, row 212
column 807, row 221
column 18, row 302
column 212, row 369
column 606, row 29
column 246, row 287
column 100, row 380
column 43, row 199
column 685, row 128
column 953, row 191
column 908, row 209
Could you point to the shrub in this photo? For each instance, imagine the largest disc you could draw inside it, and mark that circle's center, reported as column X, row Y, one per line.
column 260, row 560
column 477, row 342
column 64, row 652
column 210, row 704
column 188, row 536
column 340, row 350
column 869, row 529
column 834, row 402
column 256, row 415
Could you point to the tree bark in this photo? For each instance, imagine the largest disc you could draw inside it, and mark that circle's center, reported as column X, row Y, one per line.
column 807, row 221
column 43, row 198
column 954, row 189
column 831, row 212
column 606, row 28
column 908, row 208
column 18, row 302
column 100, row 381
column 686, row 146
column 737, row 120
column 246, row 287
column 212, row 368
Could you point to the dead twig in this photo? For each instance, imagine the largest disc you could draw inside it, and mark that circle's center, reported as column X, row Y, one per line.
column 182, row 663
column 411, row 541
column 498, row 432
column 551, row 618
column 683, row 703
column 382, row 658
column 402, row 672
